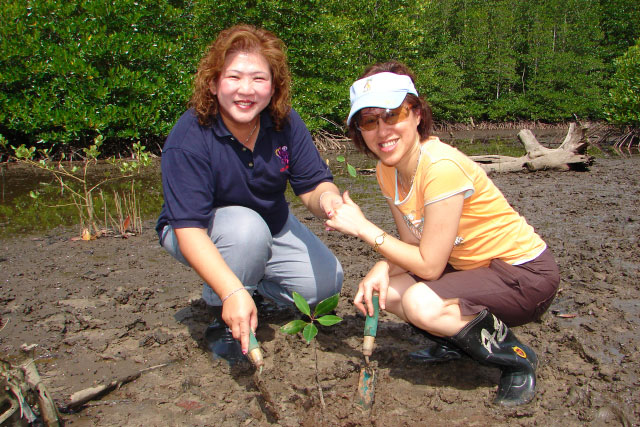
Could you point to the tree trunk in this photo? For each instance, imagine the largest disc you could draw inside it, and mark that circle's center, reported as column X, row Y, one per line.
column 570, row 155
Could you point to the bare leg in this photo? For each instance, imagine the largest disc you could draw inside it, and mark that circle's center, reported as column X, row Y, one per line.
column 425, row 309
column 398, row 285
column 417, row 304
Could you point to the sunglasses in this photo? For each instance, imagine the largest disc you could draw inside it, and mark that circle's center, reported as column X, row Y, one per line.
column 370, row 122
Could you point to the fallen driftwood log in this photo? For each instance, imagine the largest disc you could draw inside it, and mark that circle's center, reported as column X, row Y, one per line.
column 79, row 398
column 570, row 155
column 22, row 390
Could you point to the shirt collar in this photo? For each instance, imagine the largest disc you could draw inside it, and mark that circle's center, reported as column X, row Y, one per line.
column 220, row 129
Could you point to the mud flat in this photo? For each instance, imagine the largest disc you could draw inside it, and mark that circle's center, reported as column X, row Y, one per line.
column 105, row 309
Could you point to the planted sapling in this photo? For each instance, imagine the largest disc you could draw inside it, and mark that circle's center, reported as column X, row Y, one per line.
column 350, row 168
column 309, row 329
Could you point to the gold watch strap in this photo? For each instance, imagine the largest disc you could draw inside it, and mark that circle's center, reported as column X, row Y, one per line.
column 375, row 241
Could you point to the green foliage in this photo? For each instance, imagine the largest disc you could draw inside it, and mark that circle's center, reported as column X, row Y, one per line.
column 72, row 70
column 309, row 329
column 75, row 181
column 351, row 170
column 624, row 97
column 619, row 21
column 140, row 159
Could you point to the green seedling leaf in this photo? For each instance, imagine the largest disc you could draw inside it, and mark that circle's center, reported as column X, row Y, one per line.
column 325, row 306
column 302, row 304
column 34, row 194
column 340, row 158
column 329, row 320
column 294, row 327
column 310, row 331
column 22, row 152
column 351, row 170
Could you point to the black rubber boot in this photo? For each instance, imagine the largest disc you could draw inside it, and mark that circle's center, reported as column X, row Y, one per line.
column 488, row 340
column 442, row 351
column 220, row 341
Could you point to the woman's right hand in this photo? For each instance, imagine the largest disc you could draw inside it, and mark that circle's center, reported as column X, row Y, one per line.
column 348, row 218
column 376, row 280
column 239, row 312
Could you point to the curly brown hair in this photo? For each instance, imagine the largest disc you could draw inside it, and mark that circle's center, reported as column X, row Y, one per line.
column 248, row 39
column 415, row 102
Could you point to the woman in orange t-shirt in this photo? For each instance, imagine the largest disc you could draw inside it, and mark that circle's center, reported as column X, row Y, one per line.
column 466, row 264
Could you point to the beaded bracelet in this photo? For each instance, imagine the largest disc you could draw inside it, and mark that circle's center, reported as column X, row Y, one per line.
column 231, row 293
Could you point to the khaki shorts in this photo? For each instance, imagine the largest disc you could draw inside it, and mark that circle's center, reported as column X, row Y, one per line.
column 516, row 294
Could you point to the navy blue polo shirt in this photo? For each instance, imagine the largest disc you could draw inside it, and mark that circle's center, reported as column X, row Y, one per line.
column 206, row 167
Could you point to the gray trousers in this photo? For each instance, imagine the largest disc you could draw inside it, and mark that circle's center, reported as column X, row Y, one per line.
column 275, row 266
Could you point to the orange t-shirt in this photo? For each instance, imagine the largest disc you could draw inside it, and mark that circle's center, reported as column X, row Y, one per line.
column 489, row 227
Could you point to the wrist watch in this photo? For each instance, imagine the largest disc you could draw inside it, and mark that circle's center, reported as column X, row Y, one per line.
column 379, row 241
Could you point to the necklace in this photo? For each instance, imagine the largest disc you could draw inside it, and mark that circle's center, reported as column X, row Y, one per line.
column 251, row 133
column 413, row 176
column 410, row 184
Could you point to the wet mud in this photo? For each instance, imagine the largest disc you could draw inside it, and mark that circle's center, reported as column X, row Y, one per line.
column 105, row 309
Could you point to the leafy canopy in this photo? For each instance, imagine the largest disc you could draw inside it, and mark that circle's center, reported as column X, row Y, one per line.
column 624, row 96
column 74, row 69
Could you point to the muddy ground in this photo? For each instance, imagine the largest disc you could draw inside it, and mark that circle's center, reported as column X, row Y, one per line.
column 104, row 309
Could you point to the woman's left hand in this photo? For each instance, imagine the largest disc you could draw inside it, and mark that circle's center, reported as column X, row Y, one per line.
column 348, row 218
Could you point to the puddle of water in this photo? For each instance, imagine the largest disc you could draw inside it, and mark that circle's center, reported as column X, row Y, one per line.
column 20, row 213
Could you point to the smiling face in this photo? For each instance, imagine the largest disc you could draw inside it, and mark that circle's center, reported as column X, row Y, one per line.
column 244, row 88
column 391, row 143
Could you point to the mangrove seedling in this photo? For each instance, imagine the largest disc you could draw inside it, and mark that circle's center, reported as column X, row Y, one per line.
column 309, row 329
column 74, row 180
column 350, row 168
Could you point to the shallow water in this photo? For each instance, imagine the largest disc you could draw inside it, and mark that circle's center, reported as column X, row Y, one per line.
column 21, row 212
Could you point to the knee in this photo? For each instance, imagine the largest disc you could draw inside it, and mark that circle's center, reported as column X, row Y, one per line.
column 240, row 227
column 421, row 306
column 331, row 282
column 325, row 283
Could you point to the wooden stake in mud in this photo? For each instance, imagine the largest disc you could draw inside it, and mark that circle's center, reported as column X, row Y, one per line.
column 79, row 398
column 255, row 355
column 367, row 379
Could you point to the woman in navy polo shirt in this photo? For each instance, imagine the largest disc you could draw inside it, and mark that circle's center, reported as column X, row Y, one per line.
column 225, row 168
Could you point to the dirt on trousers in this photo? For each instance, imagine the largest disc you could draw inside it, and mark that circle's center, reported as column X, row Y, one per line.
column 105, row 309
